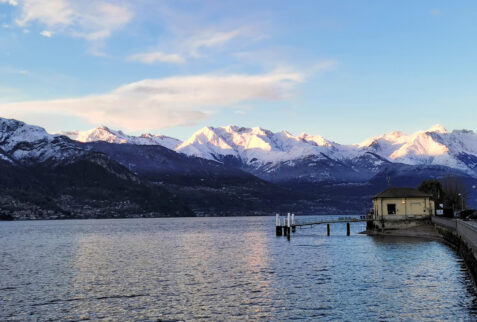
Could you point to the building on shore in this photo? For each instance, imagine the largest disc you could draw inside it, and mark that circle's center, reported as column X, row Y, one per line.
column 400, row 208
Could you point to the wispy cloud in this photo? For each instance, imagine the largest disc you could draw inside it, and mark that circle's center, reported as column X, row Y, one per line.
column 435, row 12
column 157, row 56
column 49, row 12
column 188, row 46
column 323, row 65
column 10, row 70
column 10, row 2
column 208, row 39
column 46, row 33
column 167, row 102
column 93, row 20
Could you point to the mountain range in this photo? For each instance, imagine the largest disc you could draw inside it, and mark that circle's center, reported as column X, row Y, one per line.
column 268, row 154
column 217, row 171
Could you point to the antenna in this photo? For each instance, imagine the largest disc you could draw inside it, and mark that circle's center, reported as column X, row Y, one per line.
column 388, row 181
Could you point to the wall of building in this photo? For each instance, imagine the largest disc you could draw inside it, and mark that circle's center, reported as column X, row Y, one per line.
column 404, row 206
column 395, row 222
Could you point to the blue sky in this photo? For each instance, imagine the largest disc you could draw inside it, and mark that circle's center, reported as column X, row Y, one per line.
column 346, row 70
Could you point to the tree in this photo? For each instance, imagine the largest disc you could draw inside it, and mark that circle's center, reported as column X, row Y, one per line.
column 433, row 187
column 455, row 192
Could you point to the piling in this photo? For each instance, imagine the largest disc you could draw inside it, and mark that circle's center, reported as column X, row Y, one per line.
column 328, row 229
column 288, row 226
column 278, row 226
column 293, row 227
column 347, row 229
column 284, row 226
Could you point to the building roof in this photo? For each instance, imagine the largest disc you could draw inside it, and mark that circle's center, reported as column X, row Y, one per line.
column 401, row 193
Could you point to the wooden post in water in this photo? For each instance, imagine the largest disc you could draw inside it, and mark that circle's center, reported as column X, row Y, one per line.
column 347, row 229
column 278, row 226
column 288, row 226
column 284, row 226
column 328, row 229
column 293, row 223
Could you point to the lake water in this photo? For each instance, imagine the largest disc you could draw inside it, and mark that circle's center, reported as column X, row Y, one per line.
column 224, row 269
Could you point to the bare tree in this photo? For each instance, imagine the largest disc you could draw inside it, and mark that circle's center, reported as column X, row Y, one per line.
column 433, row 187
column 455, row 192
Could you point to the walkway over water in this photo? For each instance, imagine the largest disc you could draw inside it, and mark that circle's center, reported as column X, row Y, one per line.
column 321, row 222
column 289, row 225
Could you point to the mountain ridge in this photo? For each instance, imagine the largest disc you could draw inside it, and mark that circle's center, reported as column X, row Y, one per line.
column 45, row 176
column 258, row 148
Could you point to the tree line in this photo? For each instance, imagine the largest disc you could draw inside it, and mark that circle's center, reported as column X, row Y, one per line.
column 451, row 192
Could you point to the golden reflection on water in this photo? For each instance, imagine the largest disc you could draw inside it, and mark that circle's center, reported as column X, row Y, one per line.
column 109, row 273
column 197, row 273
column 224, row 269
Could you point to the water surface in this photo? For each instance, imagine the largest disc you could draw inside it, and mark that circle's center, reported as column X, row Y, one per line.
column 224, row 269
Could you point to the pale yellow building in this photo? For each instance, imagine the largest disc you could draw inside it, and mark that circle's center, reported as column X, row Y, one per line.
column 408, row 202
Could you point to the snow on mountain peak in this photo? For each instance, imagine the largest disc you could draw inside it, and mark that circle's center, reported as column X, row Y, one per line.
column 251, row 144
column 316, row 139
column 207, row 144
column 24, row 142
column 103, row 133
column 420, row 144
column 437, row 128
column 394, row 138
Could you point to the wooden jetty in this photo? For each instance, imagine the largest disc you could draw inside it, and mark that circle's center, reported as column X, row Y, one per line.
column 289, row 225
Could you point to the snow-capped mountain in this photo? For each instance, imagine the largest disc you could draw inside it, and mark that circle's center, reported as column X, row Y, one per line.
column 20, row 142
column 316, row 171
column 282, row 156
column 435, row 146
column 257, row 147
column 271, row 154
column 105, row 134
column 254, row 146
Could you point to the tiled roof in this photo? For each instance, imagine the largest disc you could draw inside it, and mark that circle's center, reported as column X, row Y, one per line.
column 401, row 193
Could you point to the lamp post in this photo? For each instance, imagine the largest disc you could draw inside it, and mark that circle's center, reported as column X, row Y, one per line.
column 462, row 201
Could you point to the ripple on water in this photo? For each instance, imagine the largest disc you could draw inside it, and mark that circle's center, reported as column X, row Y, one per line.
column 223, row 269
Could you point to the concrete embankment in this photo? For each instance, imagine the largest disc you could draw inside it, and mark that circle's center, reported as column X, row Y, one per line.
column 463, row 236
column 426, row 231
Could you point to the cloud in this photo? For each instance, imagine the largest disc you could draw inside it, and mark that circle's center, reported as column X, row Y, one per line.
column 323, row 65
column 190, row 45
column 435, row 12
column 92, row 20
column 10, row 2
column 46, row 33
column 49, row 12
column 152, row 57
column 168, row 102
column 9, row 70
column 207, row 39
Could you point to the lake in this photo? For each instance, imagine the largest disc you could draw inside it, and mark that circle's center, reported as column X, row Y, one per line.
column 224, row 269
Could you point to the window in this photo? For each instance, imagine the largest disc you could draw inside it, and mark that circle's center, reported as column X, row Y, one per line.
column 391, row 208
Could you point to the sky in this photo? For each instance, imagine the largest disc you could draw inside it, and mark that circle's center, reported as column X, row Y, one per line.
column 346, row 70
